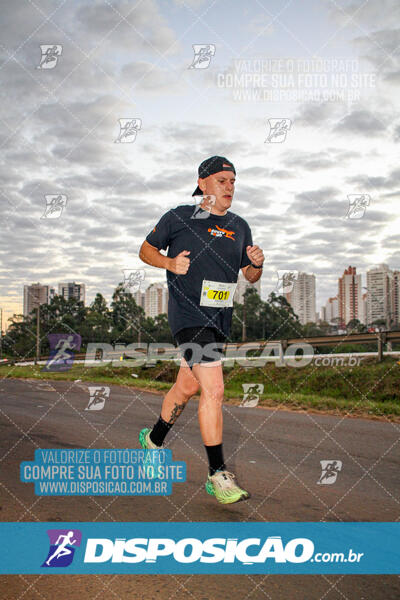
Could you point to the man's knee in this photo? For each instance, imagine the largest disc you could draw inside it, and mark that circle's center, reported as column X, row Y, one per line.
column 218, row 390
column 188, row 387
column 214, row 392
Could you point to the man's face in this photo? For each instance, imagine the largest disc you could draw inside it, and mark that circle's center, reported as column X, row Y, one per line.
column 222, row 186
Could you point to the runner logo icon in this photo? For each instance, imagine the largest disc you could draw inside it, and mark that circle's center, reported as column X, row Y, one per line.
column 62, row 547
column 61, row 355
column 98, row 397
column 330, row 470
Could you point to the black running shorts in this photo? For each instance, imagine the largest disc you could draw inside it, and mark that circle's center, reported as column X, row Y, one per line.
column 200, row 344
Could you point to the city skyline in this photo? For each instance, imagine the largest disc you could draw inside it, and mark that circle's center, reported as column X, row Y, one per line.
column 354, row 301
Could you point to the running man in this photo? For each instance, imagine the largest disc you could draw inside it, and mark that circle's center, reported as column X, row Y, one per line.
column 202, row 264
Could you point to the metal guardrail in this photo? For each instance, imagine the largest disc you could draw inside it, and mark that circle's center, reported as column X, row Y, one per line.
column 380, row 338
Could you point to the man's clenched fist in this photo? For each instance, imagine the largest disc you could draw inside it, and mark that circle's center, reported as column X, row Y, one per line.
column 255, row 254
column 180, row 264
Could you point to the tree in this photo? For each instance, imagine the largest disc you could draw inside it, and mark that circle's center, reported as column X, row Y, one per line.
column 163, row 331
column 355, row 326
column 324, row 327
column 99, row 305
column 237, row 323
column 127, row 317
column 98, row 324
column 273, row 319
column 253, row 307
column 61, row 316
column 281, row 320
column 20, row 338
column 311, row 330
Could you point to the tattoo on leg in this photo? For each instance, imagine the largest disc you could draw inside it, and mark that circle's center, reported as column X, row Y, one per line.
column 176, row 411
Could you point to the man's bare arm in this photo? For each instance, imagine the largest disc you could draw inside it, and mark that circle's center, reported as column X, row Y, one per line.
column 152, row 256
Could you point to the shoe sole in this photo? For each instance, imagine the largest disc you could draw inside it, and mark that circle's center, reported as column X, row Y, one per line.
column 142, row 438
column 142, row 441
column 210, row 490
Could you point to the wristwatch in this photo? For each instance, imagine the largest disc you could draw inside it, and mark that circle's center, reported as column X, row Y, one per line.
column 255, row 266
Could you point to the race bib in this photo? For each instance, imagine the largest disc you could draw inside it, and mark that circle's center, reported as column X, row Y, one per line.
column 217, row 293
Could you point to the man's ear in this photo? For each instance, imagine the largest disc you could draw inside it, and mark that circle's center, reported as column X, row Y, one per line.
column 202, row 184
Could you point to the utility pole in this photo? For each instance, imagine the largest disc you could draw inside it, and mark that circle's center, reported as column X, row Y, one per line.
column 244, row 320
column 1, row 332
column 37, row 334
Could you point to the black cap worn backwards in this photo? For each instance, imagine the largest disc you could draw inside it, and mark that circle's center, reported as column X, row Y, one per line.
column 212, row 165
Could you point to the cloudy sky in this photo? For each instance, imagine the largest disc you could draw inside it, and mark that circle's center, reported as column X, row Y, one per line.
column 332, row 69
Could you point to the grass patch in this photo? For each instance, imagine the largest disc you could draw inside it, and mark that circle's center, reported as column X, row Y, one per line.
column 370, row 389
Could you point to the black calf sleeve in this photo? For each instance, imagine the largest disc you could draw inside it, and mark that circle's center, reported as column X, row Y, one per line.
column 159, row 431
column 215, row 458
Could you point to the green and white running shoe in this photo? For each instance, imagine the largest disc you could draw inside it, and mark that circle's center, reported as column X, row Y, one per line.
column 150, row 459
column 222, row 485
column 145, row 441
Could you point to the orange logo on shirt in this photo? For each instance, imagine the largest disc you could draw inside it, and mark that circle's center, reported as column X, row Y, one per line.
column 220, row 232
column 154, row 230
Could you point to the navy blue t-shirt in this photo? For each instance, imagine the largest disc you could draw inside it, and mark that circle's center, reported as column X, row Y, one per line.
column 217, row 247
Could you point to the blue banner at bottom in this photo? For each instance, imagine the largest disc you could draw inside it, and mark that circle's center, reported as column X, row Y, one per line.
column 155, row 548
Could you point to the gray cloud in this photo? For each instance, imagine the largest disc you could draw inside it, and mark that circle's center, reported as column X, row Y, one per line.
column 190, row 3
column 363, row 122
column 61, row 125
column 375, row 14
column 376, row 182
column 322, row 202
column 134, row 26
column 377, row 22
column 306, row 160
column 267, row 173
column 381, row 48
column 149, row 78
column 316, row 114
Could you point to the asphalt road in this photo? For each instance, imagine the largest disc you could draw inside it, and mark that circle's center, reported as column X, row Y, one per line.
column 275, row 454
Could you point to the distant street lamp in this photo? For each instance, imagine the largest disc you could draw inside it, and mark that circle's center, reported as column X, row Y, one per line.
column 244, row 319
